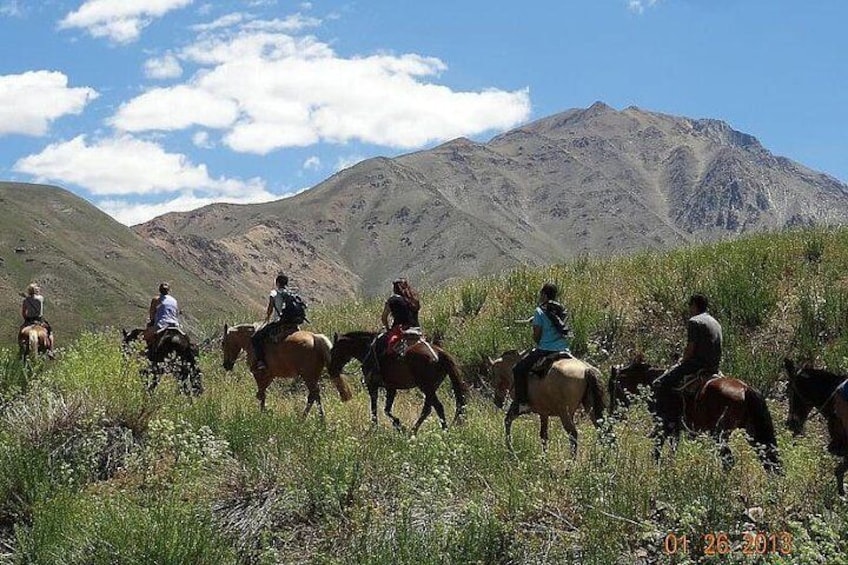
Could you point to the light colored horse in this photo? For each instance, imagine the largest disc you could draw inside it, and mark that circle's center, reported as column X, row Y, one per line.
column 568, row 384
column 302, row 353
column 32, row 340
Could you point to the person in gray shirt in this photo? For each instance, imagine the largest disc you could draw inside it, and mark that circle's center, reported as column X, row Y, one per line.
column 703, row 349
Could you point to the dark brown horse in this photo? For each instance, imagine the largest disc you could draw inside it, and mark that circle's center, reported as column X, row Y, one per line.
column 814, row 388
column 169, row 350
column 32, row 340
column 416, row 369
column 719, row 406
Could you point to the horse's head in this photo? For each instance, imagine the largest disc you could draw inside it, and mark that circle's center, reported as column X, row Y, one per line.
column 352, row 345
column 799, row 407
column 231, row 345
column 500, row 370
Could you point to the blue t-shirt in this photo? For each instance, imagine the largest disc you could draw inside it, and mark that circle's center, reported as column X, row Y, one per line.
column 551, row 339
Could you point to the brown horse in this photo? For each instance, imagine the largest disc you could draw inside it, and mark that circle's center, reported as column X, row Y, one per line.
column 568, row 384
column 301, row 353
column 719, row 406
column 32, row 340
column 416, row 369
column 814, row 388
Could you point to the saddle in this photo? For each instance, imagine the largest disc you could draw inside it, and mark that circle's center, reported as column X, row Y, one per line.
column 543, row 365
column 169, row 329
column 692, row 384
column 279, row 332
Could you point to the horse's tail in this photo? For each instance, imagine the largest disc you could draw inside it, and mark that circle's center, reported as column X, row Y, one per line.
column 762, row 428
column 593, row 397
column 450, row 366
column 325, row 347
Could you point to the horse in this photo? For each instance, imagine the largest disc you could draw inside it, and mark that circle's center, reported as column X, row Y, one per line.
column 32, row 340
column 815, row 388
column 568, row 384
column 417, row 368
column 721, row 405
column 301, row 353
column 169, row 348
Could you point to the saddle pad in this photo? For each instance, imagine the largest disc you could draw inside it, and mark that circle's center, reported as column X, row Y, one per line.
column 543, row 365
column 691, row 384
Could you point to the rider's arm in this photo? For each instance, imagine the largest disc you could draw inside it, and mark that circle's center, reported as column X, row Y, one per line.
column 269, row 310
column 23, row 309
column 689, row 352
column 385, row 317
column 151, row 315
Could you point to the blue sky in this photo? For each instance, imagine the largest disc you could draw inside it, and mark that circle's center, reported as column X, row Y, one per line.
column 148, row 106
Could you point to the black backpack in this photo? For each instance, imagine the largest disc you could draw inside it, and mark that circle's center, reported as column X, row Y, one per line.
column 558, row 316
column 295, row 310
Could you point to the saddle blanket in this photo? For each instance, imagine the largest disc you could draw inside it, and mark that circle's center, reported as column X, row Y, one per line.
column 543, row 365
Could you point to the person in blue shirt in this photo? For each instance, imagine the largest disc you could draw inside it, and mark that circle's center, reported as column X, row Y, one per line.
column 550, row 335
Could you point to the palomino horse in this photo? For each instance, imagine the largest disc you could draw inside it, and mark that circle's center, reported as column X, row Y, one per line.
column 813, row 388
column 416, row 369
column 32, row 340
column 171, row 350
column 300, row 353
column 719, row 406
column 568, row 384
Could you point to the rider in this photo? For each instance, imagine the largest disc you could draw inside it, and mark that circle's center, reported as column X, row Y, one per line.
column 550, row 332
column 164, row 311
column 703, row 352
column 281, row 313
column 32, row 311
column 403, row 307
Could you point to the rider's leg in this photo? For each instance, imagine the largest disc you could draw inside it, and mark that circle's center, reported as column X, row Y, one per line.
column 520, row 374
column 258, row 342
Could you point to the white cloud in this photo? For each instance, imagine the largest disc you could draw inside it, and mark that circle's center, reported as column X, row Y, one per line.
column 176, row 108
column 128, row 166
column 30, row 101
column 162, row 68
column 639, row 6
column 312, row 163
column 223, row 22
column 201, row 139
column 295, row 22
column 269, row 90
column 132, row 213
column 347, row 161
column 119, row 20
column 11, row 8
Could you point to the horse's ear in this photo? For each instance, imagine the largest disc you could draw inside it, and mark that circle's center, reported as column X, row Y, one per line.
column 639, row 358
column 226, row 329
column 614, row 371
column 124, row 333
column 335, row 337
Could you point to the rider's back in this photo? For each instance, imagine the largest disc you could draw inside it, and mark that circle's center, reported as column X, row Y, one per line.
column 705, row 332
column 167, row 312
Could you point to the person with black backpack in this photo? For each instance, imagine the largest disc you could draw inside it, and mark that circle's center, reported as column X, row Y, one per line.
column 550, row 333
column 286, row 311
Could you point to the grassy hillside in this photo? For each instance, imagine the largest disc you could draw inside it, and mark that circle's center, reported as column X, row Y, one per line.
column 92, row 470
column 93, row 270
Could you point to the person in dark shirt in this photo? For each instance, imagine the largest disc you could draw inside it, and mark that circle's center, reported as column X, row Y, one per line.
column 400, row 313
column 703, row 350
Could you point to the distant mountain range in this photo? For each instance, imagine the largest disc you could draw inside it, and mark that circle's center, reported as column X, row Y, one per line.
column 592, row 180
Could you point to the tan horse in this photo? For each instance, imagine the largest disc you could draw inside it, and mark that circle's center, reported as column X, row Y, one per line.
column 32, row 340
column 568, row 384
column 302, row 353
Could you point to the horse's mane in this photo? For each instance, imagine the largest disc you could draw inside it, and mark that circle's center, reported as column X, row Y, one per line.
column 359, row 335
column 822, row 376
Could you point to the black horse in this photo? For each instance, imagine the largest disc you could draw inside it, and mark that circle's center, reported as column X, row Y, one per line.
column 815, row 388
column 169, row 350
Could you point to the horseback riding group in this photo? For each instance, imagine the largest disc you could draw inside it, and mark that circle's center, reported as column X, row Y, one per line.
column 547, row 380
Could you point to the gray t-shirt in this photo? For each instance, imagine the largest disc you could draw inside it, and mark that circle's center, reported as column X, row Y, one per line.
column 705, row 332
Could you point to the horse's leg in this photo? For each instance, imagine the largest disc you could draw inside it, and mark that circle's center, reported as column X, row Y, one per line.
column 840, row 476
column 372, row 393
column 510, row 416
column 440, row 411
column 543, row 431
column 314, row 397
column 391, row 393
column 568, row 424
column 425, row 411
column 262, row 383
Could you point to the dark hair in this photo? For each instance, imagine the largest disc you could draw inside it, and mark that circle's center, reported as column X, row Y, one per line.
column 282, row 280
column 550, row 291
column 164, row 288
column 402, row 287
column 700, row 302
